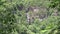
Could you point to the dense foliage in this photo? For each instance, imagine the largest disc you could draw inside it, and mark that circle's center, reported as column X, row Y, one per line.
column 13, row 17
